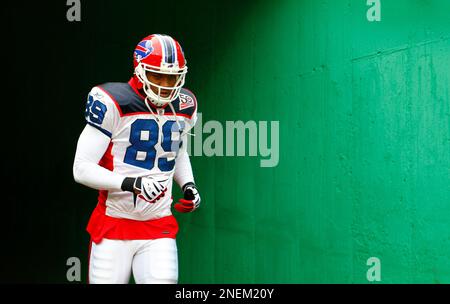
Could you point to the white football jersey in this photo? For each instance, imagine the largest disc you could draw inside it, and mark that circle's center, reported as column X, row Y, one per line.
column 141, row 144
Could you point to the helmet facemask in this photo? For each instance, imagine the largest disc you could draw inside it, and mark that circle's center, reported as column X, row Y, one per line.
column 167, row 69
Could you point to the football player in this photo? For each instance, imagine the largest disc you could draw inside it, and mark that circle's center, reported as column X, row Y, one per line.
column 132, row 147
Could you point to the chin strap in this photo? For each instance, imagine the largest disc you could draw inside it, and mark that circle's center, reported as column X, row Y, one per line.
column 147, row 100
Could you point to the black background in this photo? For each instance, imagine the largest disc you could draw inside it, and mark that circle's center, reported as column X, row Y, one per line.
column 50, row 64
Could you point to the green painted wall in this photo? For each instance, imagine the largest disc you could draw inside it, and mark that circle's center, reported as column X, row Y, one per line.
column 364, row 125
column 364, row 165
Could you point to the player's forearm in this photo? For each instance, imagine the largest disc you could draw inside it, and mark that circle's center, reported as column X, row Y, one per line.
column 91, row 147
column 96, row 177
column 183, row 169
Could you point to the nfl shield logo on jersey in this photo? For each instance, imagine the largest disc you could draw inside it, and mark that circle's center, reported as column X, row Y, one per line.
column 186, row 101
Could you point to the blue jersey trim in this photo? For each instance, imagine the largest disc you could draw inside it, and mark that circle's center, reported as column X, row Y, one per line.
column 129, row 102
column 109, row 134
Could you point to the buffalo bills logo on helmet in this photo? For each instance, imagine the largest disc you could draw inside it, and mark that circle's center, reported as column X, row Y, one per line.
column 143, row 49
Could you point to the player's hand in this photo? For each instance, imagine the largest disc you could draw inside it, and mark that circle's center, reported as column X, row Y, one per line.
column 191, row 200
column 149, row 188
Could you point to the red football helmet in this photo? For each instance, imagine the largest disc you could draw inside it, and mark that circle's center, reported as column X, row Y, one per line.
column 160, row 54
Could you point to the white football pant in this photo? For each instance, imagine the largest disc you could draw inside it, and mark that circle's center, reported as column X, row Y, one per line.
column 152, row 261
